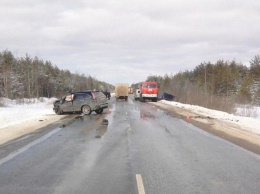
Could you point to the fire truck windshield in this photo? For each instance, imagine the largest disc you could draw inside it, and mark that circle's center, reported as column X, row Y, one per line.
column 149, row 85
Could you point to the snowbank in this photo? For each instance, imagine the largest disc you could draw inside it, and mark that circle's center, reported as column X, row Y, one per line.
column 247, row 123
column 24, row 110
column 248, row 111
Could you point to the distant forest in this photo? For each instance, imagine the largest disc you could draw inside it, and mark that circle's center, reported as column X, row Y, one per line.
column 28, row 77
column 219, row 86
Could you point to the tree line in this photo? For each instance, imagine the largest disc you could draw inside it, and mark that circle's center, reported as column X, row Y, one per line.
column 217, row 85
column 28, row 77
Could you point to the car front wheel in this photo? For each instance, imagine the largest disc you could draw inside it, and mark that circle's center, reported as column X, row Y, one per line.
column 99, row 111
column 86, row 110
column 57, row 110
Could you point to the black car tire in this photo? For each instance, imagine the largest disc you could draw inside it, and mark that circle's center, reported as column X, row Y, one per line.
column 86, row 110
column 99, row 111
column 58, row 111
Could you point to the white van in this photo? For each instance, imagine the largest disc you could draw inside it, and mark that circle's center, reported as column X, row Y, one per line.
column 137, row 94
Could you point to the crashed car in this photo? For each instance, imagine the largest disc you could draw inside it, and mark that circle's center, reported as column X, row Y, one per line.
column 85, row 102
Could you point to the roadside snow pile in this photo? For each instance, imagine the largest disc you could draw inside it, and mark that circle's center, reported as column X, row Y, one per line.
column 23, row 110
column 25, row 101
column 248, row 111
column 247, row 123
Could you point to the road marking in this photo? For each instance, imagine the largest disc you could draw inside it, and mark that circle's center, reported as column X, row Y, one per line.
column 28, row 146
column 140, row 185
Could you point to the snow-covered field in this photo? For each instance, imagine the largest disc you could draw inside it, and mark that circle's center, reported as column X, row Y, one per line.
column 20, row 111
column 247, row 123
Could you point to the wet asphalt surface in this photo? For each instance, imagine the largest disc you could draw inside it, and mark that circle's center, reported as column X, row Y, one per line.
column 102, row 154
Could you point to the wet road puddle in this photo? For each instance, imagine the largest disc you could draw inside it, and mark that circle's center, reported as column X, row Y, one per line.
column 148, row 112
column 89, row 122
column 102, row 129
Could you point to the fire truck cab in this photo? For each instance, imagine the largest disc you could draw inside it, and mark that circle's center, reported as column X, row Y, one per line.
column 149, row 91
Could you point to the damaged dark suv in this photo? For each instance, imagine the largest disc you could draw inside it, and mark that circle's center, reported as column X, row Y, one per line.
column 85, row 102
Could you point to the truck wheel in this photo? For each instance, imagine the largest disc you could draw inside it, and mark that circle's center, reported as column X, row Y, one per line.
column 99, row 111
column 155, row 100
column 86, row 110
column 126, row 98
column 141, row 99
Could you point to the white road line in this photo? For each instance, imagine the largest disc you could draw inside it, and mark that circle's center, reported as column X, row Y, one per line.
column 140, row 185
column 25, row 148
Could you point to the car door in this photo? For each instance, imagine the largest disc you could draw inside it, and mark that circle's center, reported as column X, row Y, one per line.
column 78, row 102
column 67, row 105
column 82, row 99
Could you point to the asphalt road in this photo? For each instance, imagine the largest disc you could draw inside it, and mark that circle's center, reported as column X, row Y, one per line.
column 132, row 147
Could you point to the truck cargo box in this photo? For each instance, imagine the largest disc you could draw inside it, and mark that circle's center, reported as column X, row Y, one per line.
column 121, row 91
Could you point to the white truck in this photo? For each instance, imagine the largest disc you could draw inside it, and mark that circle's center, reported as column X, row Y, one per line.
column 121, row 91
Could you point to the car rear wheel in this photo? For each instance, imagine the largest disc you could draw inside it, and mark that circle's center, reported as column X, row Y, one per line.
column 86, row 110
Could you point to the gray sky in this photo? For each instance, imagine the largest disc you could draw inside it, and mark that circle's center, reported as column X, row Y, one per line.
column 127, row 40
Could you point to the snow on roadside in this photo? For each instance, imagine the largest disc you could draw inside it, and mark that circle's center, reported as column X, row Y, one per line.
column 247, row 123
column 248, row 111
column 21, row 111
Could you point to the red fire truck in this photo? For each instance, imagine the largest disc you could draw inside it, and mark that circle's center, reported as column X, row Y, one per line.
column 149, row 91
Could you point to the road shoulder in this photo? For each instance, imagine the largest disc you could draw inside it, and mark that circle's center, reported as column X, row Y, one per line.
column 15, row 131
column 229, row 131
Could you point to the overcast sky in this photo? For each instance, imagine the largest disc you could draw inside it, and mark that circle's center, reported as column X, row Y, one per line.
column 127, row 40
